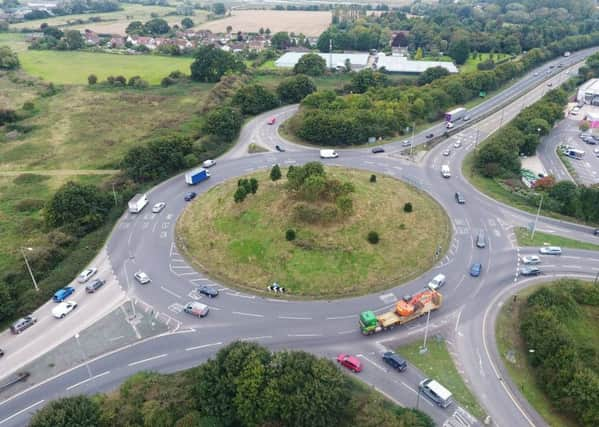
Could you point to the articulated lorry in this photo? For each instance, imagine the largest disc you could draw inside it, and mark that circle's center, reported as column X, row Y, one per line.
column 455, row 115
column 406, row 310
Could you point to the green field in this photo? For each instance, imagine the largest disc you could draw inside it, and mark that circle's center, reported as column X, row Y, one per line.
column 244, row 244
column 471, row 63
column 437, row 363
column 541, row 239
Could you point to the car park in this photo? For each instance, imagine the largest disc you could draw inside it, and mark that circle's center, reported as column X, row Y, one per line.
column 436, row 392
column 279, row 148
column 350, row 362
column 190, row 196
column 208, row 163
column 209, row 291
column 459, row 198
column 446, row 152
column 142, row 277
column 86, row 274
column 157, row 208
column 437, row 282
column 531, row 260
column 551, row 250
column 429, row 135
column 530, row 271
column 481, row 240
column 64, row 308
column 395, row 361
column 376, row 150
column 406, row 143
column 272, row 121
column 196, row 309
column 476, row 269
column 62, row 294
column 94, row 285
column 22, row 324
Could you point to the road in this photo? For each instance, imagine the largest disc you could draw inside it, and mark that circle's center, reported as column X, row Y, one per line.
column 146, row 242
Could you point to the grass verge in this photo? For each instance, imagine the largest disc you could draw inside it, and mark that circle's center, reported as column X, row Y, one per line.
column 541, row 239
column 437, row 363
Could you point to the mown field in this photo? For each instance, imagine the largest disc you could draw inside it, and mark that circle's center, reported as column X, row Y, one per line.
column 244, row 244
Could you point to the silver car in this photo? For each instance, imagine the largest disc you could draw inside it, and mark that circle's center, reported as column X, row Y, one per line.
column 551, row 250
column 86, row 274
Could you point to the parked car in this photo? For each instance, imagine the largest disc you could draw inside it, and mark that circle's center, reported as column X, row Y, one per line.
column 62, row 294
column 22, row 324
column 376, row 150
column 350, row 362
column 429, row 135
column 406, row 143
column 190, row 196
column 446, row 152
column 530, row 271
column 209, row 291
column 436, row 392
column 392, row 359
column 142, row 277
column 64, row 308
column 272, row 121
column 551, row 250
column 157, row 208
column 208, row 163
column 476, row 269
column 531, row 259
column 94, row 285
column 280, row 149
column 86, row 274
column 459, row 198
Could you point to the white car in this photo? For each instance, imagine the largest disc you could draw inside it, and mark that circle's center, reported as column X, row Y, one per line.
column 551, row 250
column 208, row 163
column 158, row 207
column 457, row 144
column 446, row 152
column 406, row 143
column 142, row 277
column 64, row 308
column 437, row 282
column 531, row 259
column 86, row 274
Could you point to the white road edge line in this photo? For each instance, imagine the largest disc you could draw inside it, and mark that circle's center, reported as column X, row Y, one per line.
column 248, row 314
column 148, row 359
column 350, row 316
column 295, row 318
column 304, row 335
column 87, row 379
column 263, row 337
column 168, row 291
column 20, row 412
column 197, row 347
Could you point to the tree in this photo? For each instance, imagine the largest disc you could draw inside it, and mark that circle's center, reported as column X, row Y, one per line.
column 187, row 23
column 253, row 185
column 219, row 9
column 135, row 28
column 254, row 99
column 275, row 173
column 224, row 122
column 92, row 79
column 280, row 40
column 310, row 64
column 74, row 39
column 366, row 79
column 53, row 32
column 290, row 235
column 77, row 204
column 156, row 26
column 431, row 74
column 373, row 237
column 68, row 412
column 8, row 59
column 459, row 50
column 211, row 64
column 294, row 89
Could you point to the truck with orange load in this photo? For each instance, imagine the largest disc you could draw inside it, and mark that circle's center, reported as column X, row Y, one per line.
column 406, row 310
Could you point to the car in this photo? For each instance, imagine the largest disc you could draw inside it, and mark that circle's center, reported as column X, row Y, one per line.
column 476, row 269
column 584, row 135
column 392, row 359
column 551, row 250
column 272, row 121
column 596, row 232
column 86, row 274
column 157, row 208
column 376, row 150
column 280, row 149
column 64, row 308
column 574, row 112
column 209, row 291
column 429, row 135
column 457, row 144
column 459, row 198
column 94, row 285
column 449, row 125
column 406, row 143
column 190, row 196
column 436, row 392
column 208, row 163
column 481, row 241
column 536, row 73
column 1, row 352
column 22, row 324
column 530, row 271
column 446, row 152
column 531, row 260
column 350, row 362
column 142, row 277
column 466, row 118
column 62, row 294
column 552, row 66
column 197, row 309
column 549, row 84
column 437, row 282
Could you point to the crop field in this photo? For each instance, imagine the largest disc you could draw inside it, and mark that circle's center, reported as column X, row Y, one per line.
column 307, row 23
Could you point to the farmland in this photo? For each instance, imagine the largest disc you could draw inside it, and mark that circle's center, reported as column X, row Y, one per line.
column 307, row 23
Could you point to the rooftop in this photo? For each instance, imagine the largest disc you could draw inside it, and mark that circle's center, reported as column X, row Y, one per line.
column 401, row 64
column 357, row 60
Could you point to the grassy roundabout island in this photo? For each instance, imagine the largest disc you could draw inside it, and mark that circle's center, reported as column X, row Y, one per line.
column 329, row 253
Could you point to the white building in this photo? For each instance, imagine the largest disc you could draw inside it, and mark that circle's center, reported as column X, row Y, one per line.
column 358, row 61
column 588, row 93
column 401, row 64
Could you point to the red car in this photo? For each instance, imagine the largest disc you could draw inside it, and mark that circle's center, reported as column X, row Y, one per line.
column 350, row 362
column 272, row 120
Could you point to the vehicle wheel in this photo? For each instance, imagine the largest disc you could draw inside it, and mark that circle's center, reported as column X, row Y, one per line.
column 61, row 316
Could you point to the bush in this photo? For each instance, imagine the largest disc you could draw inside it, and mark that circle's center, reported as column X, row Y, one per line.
column 240, row 194
column 254, row 99
column 29, row 205
column 92, row 79
column 296, row 88
column 224, row 122
column 28, row 106
column 373, row 237
column 275, row 173
column 407, row 207
column 372, row 178
column 290, row 235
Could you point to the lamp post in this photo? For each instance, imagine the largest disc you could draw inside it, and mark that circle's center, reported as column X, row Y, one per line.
column 29, row 268
column 534, row 226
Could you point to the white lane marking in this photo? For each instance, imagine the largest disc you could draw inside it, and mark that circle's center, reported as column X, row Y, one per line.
column 248, row 314
column 295, row 318
column 304, row 335
column 571, row 266
column 347, row 332
column 264, row 337
column 148, row 359
column 241, row 295
column 373, row 362
column 21, row 411
column 349, row 316
column 457, row 322
column 86, row 380
column 168, row 291
column 570, row 256
column 276, row 300
column 197, row 347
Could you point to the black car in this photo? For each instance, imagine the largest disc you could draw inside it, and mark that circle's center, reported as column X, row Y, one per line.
column 596, row 232
column 396, row 362
column 92, row 287
column 1, row 352
column 378, row 150
column 459, row 198
column 279, row 148
column 209, row 291
column 430, row 135
column 530, row 271
column 190, row 196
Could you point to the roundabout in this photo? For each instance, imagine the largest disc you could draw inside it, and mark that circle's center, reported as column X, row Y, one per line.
column 328, row 327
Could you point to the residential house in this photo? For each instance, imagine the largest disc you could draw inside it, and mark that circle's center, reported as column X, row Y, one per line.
column 91, row 38
column 116, row 42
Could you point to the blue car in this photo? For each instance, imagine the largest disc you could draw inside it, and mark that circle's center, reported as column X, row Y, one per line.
column 190, row 196
column 63, row 294
column 476, row 269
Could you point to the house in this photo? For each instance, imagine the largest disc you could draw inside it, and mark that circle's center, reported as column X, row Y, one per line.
column 91, row 38
column 257, row 45
column 116, row 42
column 148, row 42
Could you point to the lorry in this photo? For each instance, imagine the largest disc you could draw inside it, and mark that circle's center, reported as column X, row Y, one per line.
column 328, row 154
column 406, row 310
column 138, row 202
column 196, row 176
column 455, row 115
column 574, row 153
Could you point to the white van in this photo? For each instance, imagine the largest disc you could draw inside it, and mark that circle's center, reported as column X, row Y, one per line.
column 445, row 172
column 436, row 392
column 138, row 202
column 328, row 154
column 437, row 282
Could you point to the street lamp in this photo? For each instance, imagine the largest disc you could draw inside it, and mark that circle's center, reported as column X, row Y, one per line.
column 29, row 267
column 534, row 227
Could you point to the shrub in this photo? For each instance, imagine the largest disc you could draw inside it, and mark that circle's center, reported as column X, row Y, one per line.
column 167, row 81
column 240, row 194
column 290, row 235
column 92, row 79
column 407, row 207
column 28, row 106
column 275, row 173
column 29, row 205
column 373, row 237
column 345, row 204
column 372, row 178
